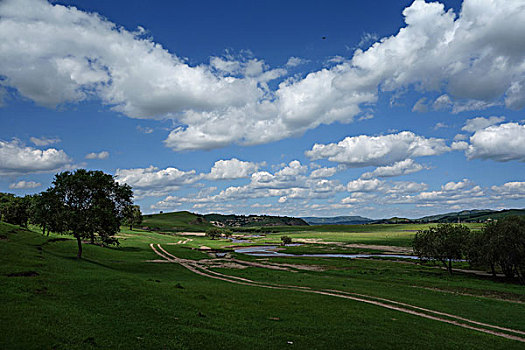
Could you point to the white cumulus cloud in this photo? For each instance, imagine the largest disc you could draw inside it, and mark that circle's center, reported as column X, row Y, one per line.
column 363, row 150
column 153, row 181
column 361, row 185
column 404, row 167
column 99, row 155
column 501, row 143
column 323, row 172
column 475, row 124
column 231, row 169
column 15, row 158
column 24, row 185
column 509, row 190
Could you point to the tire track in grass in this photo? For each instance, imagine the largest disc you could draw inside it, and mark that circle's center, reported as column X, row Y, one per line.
column 193, row 266
column 433, row 312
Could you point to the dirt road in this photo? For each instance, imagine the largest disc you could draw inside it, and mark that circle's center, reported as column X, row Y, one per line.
column 203, row 270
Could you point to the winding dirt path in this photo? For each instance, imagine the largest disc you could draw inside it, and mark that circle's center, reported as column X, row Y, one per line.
column 196, row 267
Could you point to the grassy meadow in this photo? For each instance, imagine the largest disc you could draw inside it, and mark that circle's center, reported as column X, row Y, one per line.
column 127, row 297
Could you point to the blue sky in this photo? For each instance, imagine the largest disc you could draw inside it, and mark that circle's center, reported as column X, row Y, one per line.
column 375, row 108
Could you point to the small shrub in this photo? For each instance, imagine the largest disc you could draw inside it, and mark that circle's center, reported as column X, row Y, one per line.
column 285, row 240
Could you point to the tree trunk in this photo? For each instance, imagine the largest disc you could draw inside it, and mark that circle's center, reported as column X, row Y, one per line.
column 493, row 269
column 44, row 229
column 444, row 262
column 521, row 278
column 92, row 238
column 131, row 227
column 79, row 243
column 450, row 266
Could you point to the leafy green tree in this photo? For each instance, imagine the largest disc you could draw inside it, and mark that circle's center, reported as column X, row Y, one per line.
column 483, row 250
column 6, row 200
column 286, row 240
column 46, row 210
column 132, row 215
column 15, row 210
column 91, row 202
column 502, row 243
column 444, row 243
column 213, row 232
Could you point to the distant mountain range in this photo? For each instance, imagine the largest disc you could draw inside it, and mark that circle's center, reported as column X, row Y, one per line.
column 472, row 215
column 476, row 215
column 337, row 220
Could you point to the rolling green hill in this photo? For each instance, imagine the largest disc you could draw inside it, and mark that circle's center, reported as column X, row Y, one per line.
column 190, row 222
column 176, row 221
column 254, row 220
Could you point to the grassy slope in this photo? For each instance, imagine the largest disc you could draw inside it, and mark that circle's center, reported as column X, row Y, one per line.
column 115, row 299
column 177, row 221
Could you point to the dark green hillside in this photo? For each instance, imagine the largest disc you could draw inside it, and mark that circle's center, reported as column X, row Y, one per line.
column 186, row 221
column 254, row 220
column 394, row 220
column 176, row 221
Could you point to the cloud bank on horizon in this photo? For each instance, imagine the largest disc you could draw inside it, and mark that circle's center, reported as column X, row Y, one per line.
column 469, row 60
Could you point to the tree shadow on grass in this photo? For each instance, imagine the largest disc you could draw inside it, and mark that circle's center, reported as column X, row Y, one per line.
column 128, row 249
column 72, row 257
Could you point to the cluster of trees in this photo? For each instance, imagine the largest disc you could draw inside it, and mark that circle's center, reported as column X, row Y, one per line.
column 15, row 210
column 499, row 244
column 87, row 204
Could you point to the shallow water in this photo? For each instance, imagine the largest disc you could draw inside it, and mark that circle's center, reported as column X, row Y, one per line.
column 270, row 250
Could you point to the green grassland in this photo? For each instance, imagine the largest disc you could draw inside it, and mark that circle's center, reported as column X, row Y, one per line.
column 381, row 234
column 120, row 298
column 387, row 234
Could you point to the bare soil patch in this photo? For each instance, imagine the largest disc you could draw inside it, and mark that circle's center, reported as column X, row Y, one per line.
column 200, row 234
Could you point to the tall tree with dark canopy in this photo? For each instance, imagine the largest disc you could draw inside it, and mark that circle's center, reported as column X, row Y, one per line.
column 501, row 243
column 92, row 203
column 444, row 243
column 132, row 215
